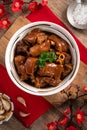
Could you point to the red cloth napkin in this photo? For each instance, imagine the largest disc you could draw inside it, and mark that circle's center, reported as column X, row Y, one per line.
column 36, row 105
column 43, row 13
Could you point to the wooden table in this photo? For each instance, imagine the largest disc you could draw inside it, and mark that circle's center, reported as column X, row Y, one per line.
column 59, row 7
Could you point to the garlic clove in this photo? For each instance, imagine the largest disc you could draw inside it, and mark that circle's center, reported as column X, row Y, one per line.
column 21, row 100
column 2, row 111
column 6, row 104
column 2, row 117
column 22, row 114
column 1, row 106
column 8, row 115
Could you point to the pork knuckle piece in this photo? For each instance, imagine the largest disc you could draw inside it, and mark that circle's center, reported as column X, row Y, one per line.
column 60, row 44
column 68, row 58
column 51, row 70
column 67, row 69
column 41, row 37
column 30, row 65
column 21, row 48
column 46, row 82
column 39, row 48
column 19, row 60
column 31, row 37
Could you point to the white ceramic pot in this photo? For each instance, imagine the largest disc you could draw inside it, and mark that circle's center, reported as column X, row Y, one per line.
column 50, row 27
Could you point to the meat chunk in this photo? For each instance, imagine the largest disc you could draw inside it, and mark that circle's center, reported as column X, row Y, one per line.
column 67, row 69
column 41, row 37
column 35, row 35
column 21, row 48
column 22, row 72
column 38, row 49
column 31, row 37
column 35, row 50
column 30, row 65
column 68, row 58
column 39, row 82
column 46, row 82
column 60, row 44
column 45, row 46
column 51, row 70
column 19, row 60
column 51, row 81
column 19, row 63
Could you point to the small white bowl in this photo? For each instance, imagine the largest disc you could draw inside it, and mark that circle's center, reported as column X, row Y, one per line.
column 49, row 27
column 6, row 108
column 70, row 16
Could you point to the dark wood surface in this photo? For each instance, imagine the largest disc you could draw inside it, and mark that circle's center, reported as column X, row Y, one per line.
column 59, row 7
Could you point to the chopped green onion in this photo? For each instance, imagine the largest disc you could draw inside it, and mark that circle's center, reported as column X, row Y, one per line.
column 46, row 57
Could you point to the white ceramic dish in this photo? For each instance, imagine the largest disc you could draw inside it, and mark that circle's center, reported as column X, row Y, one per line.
column 45, row 26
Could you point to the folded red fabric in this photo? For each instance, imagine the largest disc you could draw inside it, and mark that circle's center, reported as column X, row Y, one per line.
column 35, row 105
column 43, row 13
